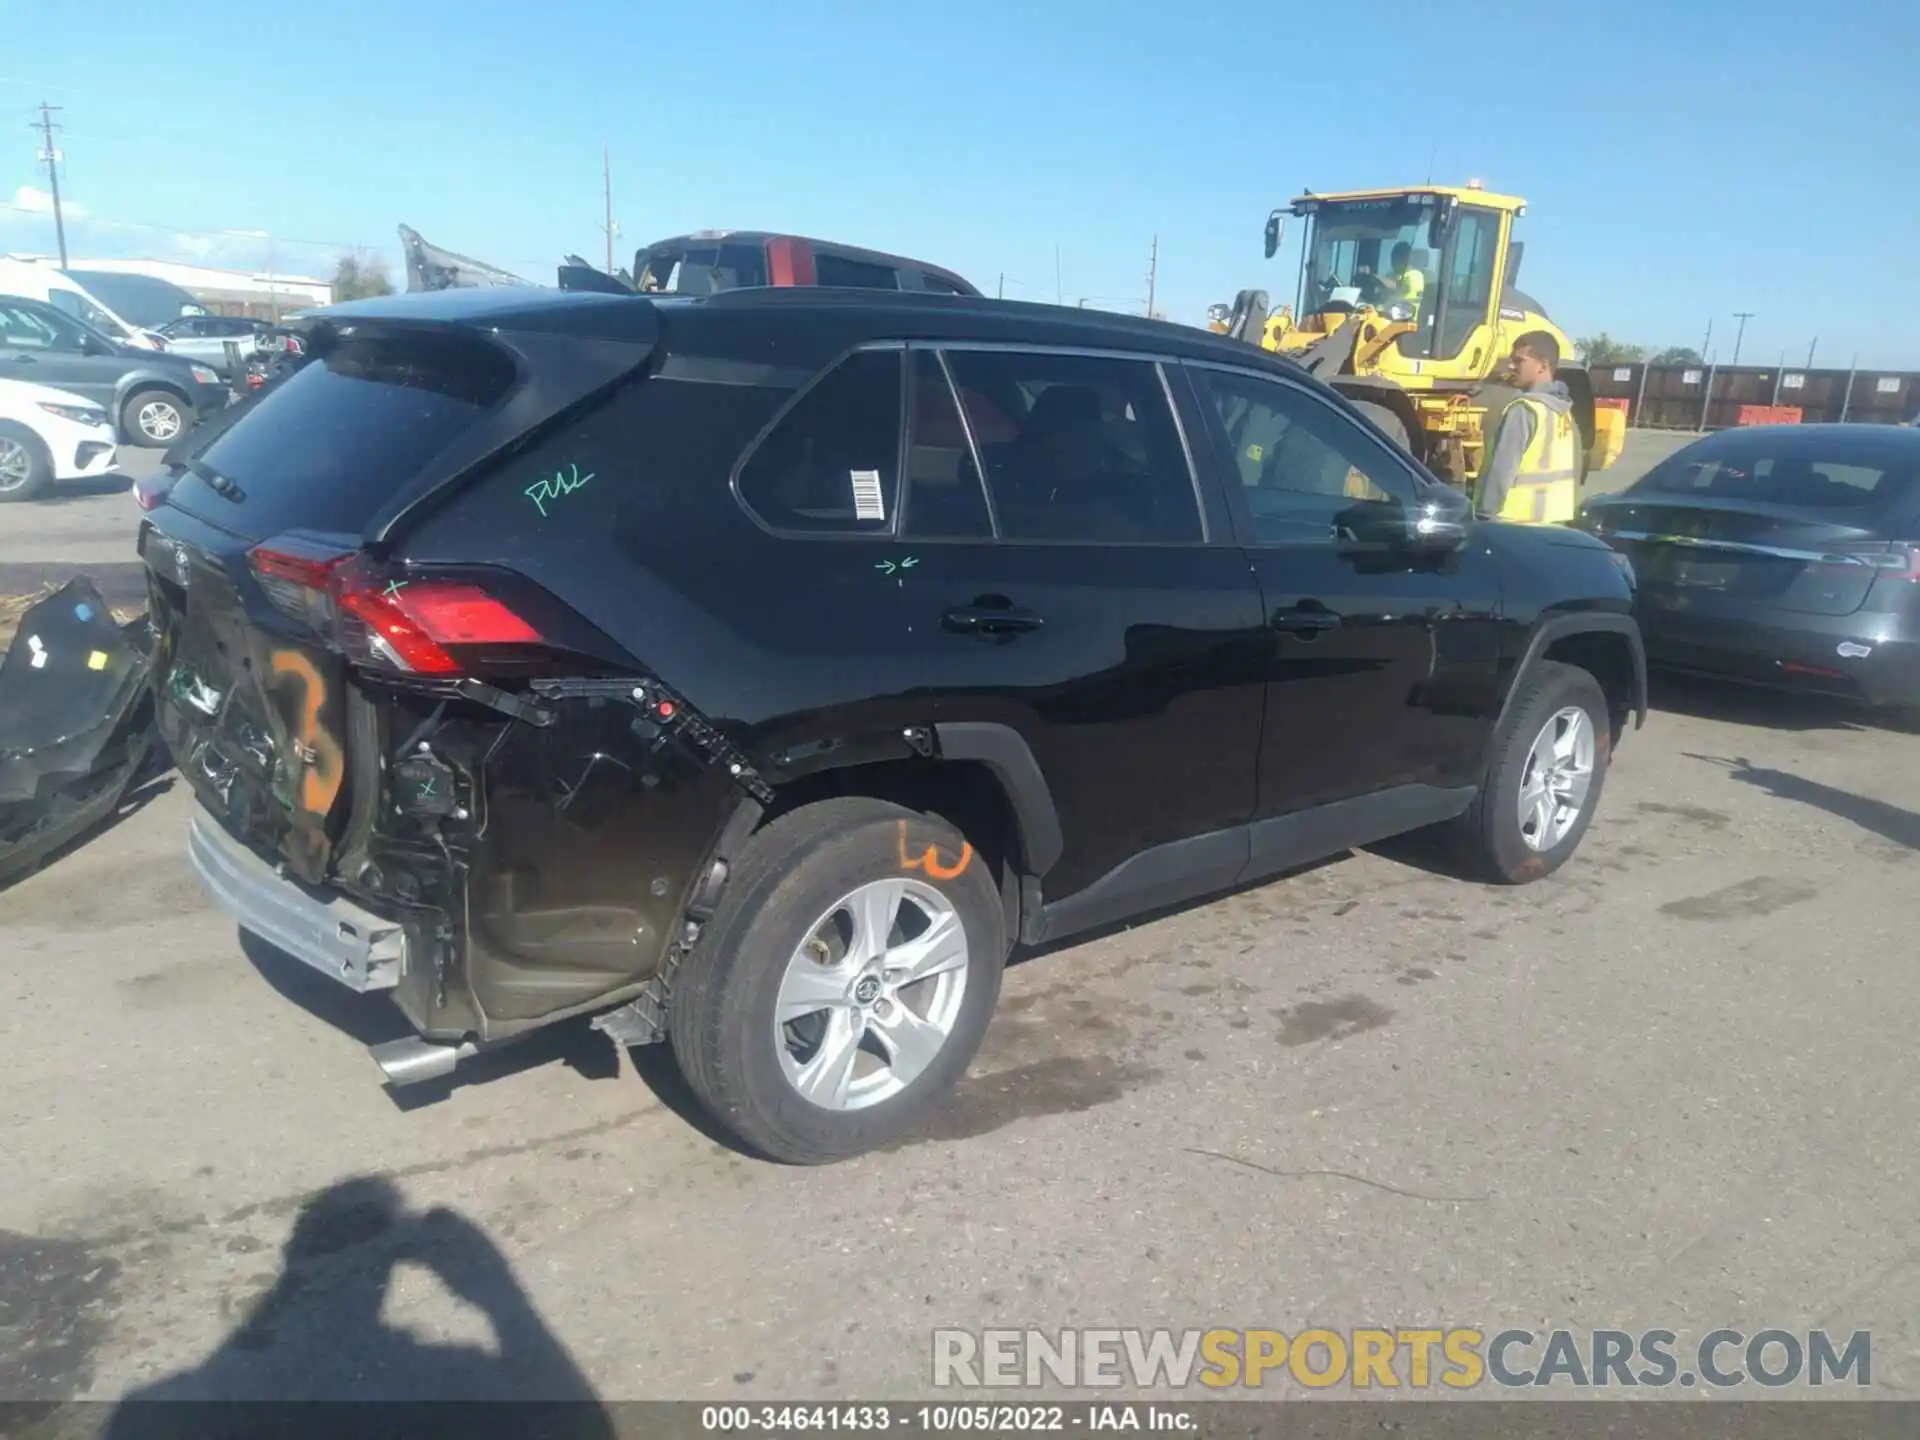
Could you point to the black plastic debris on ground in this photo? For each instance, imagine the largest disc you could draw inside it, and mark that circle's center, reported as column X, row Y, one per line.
column 76, row 723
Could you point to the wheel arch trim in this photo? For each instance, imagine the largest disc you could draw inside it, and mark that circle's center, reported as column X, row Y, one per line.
column 1007, row 756
column 1559, row 627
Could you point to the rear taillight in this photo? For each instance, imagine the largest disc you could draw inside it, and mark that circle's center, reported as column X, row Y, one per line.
column 150, row 491
column 1888, row 561
column 421, row 624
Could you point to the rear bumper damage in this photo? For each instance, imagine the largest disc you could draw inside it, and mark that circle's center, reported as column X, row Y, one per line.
column 329, row 932
column 499, row 862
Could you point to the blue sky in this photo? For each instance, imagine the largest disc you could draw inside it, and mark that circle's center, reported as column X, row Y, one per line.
column 1681, row 161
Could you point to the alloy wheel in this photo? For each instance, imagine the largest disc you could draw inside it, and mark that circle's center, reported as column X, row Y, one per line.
column 1557, row 779
column 871, row 996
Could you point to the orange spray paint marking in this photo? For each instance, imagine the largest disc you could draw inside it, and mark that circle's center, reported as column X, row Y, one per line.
column 322, row 762
column 929, row 859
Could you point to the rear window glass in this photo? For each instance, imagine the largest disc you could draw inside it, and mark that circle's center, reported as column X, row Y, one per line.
column 335, row 441
column 840, row 272
column 1797, row 476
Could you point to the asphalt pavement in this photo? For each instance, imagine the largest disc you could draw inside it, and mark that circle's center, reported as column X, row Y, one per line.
column 1670, row 1086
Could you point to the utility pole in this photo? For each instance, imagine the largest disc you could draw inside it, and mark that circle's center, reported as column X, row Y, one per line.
column 606, row 176
column 1707, row 344
column 46, row 128
column 1153, row 274
column 1742, row 316
column 1001, row 293
column 1810, row 344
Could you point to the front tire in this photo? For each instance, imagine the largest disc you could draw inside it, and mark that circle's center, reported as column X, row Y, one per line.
column 154, row 418
column 844, row 983
column 26, row 469
column 1543, row 786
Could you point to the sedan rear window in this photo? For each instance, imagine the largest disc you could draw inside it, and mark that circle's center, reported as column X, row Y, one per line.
column 1795, row 474
column 335, row 442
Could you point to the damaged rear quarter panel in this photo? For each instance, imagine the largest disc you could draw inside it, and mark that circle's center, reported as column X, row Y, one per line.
column 558, row 858
column 777, row 643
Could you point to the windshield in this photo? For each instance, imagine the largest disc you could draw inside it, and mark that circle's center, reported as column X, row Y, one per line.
column 73, row 303
column 701, row 268
column 1355, row 255
column 138, row 299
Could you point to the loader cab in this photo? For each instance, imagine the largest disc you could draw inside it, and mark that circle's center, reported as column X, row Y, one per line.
column 1457, row 240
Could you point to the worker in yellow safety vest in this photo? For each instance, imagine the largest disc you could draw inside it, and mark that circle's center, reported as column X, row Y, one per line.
column 1532, row 471
column 1406, row 283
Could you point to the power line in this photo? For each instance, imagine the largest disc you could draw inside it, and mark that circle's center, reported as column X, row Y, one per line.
column 52, row 157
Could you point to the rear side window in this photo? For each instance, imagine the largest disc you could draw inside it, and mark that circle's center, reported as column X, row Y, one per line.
column 831, row 465
column 938, row 285
column 335, row 441
column 843, row 273
column 1078, row 447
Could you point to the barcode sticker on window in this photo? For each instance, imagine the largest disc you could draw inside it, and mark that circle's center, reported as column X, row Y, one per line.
column 868, row 503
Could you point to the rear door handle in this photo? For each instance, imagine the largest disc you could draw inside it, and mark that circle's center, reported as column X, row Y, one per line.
column 1305, row 621
column 986, row 620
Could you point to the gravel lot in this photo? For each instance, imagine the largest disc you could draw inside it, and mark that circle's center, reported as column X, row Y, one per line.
column 1670, row 1086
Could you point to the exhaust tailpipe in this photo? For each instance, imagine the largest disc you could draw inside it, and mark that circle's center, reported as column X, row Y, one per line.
column 412, row 1060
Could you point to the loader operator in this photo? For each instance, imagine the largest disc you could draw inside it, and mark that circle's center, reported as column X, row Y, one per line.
column 1406, row 284
column 1532, row 471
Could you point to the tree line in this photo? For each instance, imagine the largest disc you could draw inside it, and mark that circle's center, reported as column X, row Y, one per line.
column 1603, row 349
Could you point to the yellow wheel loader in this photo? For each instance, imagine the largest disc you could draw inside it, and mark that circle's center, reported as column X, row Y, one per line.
column 1407, row 303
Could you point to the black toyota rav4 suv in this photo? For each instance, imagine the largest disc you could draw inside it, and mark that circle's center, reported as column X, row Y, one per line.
column 754, row 671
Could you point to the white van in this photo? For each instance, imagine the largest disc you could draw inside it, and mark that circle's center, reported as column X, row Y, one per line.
column 44, row 282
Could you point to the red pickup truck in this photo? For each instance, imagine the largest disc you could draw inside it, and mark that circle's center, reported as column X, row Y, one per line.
column 711, row 260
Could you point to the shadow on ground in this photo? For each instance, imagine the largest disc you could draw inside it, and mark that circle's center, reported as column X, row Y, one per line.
column 1889, row 822
column 1750, row 705
column 318, row 1333
column 114, row 482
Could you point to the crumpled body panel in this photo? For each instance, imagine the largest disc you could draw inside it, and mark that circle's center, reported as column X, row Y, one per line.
column 76, row 722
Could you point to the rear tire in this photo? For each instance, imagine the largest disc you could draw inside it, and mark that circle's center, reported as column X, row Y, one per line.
column 1501, row 840
column 154, row 419
column 789, row 933
column 26, row 469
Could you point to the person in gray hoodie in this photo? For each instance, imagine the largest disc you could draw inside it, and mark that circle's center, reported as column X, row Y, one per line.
column 1532, row 473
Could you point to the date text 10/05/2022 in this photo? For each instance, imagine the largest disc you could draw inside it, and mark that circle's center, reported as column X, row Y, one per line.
column 942, row 1419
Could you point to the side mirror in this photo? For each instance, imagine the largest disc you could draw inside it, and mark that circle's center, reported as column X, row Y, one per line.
column 1276, row 225
column 1440, row 521
column 92, row 344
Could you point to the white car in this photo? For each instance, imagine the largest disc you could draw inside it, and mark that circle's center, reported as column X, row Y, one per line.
column 47, row 435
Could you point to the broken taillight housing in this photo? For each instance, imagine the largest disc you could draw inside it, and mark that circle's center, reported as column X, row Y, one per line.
column 421, row 624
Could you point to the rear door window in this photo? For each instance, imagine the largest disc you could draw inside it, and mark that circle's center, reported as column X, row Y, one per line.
column 1078, row 448
column 338, row 439
column 845, row 273
column 944, row 500
column 831, row 464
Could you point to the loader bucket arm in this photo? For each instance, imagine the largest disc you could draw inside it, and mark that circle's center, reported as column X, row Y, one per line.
column 1248, row 321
